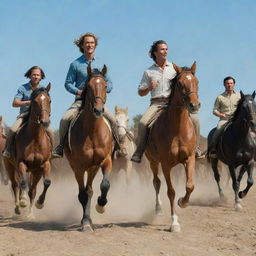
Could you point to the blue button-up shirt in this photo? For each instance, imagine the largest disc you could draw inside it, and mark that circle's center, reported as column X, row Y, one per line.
column 24, row 93
column 77, row 74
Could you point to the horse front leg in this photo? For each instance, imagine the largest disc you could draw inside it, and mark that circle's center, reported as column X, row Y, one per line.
column 46, row 170
column 235, row 185
column 214, row 164
column 22, row 169
column 105, row 185
column 190, row 169
column 157, row 185
column 34, row 179
column 175, row 226
column 249, row 169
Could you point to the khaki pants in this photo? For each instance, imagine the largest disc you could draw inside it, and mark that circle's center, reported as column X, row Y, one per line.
column 218, row 131
column 151, row 114
column 72, row 112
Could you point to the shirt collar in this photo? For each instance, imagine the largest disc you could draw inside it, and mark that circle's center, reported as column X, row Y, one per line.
column 166, row 64
column 226, row 93
column 85, row 60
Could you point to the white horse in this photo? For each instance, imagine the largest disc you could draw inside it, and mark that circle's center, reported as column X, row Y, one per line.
column 126, row 136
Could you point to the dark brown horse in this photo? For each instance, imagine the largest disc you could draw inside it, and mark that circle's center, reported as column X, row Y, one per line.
column 90, row 144
column 3, row 176
column 172, row 139
column 33, row 151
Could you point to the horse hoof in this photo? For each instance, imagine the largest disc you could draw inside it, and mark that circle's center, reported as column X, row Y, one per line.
column 238, row 207
column 241, row 194
column 181, row 204
column 23, row 203
column 17, row 210
column 100, row 209
column 175, row 228
column 38, row 205
column 87, row 227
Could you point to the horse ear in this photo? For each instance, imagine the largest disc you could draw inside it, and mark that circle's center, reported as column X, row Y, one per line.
column 193, row 68
column 177, row 68
column 48, row 87
column 242, row 95
column 253, row 95
column 116, row 108
column 104, row 70
column 89, row 69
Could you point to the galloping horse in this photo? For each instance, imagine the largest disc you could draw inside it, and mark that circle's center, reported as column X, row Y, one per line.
column 237, row 147
column 3, row 175
column 90, row 144
column 172, row 138
column 123, row 162
column 33, row 151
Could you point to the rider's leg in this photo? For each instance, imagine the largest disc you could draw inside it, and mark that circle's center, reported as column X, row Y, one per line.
column 64, row 124
column 111, row 118
column 11, row 136
column 142, row 132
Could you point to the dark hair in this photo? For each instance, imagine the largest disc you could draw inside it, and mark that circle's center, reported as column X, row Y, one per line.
column 79, row 41
column 154, row 48
column 28, row 73
column 228, row 78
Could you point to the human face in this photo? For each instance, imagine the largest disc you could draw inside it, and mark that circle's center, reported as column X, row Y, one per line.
column 89, row 45
column 229, row 85
column 161, row 52
column 35, row 76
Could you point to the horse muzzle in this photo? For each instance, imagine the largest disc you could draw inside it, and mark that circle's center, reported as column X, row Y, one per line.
column 98, row 112
column 194, row 108
column 44, row 124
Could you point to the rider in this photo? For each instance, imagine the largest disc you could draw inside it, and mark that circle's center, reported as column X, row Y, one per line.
column 157, row 80
column 75, row 81
column 224, row 107
column 22, row 100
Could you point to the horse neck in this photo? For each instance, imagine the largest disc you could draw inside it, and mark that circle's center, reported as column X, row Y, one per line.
column 34, row 129
column 89, row 120
column 239, row 127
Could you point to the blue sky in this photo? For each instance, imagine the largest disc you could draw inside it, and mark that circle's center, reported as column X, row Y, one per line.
column 219, row 35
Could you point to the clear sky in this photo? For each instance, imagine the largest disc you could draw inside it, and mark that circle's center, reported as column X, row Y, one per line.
column 219, row 34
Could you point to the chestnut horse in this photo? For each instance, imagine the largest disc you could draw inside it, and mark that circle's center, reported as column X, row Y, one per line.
column 172, row 138
column 90, row 144
column 33, row 149
column 3, row 175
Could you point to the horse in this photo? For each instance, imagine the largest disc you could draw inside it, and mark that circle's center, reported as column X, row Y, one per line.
column 172, row 138
column 3, row 175
column 237, row 147
column 89, row 145
column 124, row 133
column 33, row 147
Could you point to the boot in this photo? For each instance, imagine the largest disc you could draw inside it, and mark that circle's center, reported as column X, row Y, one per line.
column 58, row 151
column 137, row 155
column 199, row 154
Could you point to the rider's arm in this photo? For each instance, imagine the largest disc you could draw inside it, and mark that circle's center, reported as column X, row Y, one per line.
column 19, row 103
column 70, row 80
column 216, row 109
column 146, row 85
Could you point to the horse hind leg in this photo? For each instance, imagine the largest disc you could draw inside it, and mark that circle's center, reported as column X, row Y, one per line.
column 157, row 185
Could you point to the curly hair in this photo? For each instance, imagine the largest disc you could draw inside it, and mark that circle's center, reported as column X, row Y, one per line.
column 28, row 73
column 79, row 41
column 153, row 48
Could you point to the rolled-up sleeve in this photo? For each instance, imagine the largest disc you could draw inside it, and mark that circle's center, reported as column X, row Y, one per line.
column 145, row 81
column 19, row 94
column 70, row 80
column 216, row 106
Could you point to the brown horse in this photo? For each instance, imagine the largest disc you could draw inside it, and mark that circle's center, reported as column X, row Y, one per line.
column 33, row 151
column 3, row 175
column 90, row 144
column 172, row 139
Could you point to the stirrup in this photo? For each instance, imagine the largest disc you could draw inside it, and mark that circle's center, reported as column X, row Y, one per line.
column 58, row 152
column 136, row 158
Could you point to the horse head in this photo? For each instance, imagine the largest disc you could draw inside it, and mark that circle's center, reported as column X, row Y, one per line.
column 95, row 90
column 122, row 120
column 186, row 84
column 247, row 107
column 40, row 109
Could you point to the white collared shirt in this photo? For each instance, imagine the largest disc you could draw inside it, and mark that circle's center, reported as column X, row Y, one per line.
column 163, row 78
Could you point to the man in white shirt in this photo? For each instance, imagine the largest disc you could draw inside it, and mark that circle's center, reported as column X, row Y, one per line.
column 157, row 80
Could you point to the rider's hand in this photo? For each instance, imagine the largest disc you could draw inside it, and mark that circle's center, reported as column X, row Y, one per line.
column 79, row 92
column 153, row 85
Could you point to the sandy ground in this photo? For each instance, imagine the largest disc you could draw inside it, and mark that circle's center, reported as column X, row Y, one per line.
column 129, row 227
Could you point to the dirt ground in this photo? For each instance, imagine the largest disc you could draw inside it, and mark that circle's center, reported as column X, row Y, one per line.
column 129, row 227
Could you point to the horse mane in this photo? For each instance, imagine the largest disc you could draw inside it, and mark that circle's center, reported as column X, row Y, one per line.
column 237, row 112
column 95, row 72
